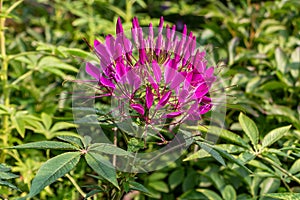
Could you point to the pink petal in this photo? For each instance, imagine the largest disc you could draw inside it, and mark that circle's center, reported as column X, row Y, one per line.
column 135, row 23
column 183, row 96
column 119, row 27
column 151, row 36
column 172, row 114
column 93, row 70
column 138, row 108
column 159, row 42
column 121, row 70
column 164, row 100
column 161, row 23
column 110, row 43
column 170, row 70
column 206, row 99
column 156, row 71
column 209, row 72
column 142, row 56
column 106, row 82
column 177, row 80
column 152, row 82
column 205, row 108
column 201, row 90
column 149, row 97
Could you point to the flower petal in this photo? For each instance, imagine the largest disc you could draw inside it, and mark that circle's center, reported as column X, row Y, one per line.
column 93, row 70
column 172, row 114
column 201, row 90
column 164, row 100
column 156, row 71
column 205, row 108
column 119, row 27
column 138, row 108
column 177, row 80
column 149, row 97
column 107, row 83
column 183, row 96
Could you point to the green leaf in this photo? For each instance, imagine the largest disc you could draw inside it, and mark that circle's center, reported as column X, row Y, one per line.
column 269, row 185
column 91, row 193
column 7, row 175
column 227, row 135
column 8, row 184
column 260, row 165
column 284, row 196
column 192, row 194
column 46, row 145
column 4, row 168
column 160, row 186
column 78, row 52
column 229, row 192
column 226, row 155
column 157, row 176
column 274, row 136
column 281, row 60
column 176, row 178
column 102, row 167
column 250, row 129
column 62, row 126
column 19, row 124
column 295, row 168
column 47, row 120
column 53, row 169
column 76, row 140
column 53, row 62
column 137, row 186
column 212, row 152
column 211, row 195
column 108, row 149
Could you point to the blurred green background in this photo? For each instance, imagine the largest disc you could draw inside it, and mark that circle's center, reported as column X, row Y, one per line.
column 256, row 45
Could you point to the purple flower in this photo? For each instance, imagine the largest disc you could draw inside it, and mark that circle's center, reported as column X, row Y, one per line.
column 158, row 75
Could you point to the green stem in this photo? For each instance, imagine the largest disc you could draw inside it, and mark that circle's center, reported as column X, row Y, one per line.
column 76, row 185
column 280, row 168
column 27, row 74
column 4, row 74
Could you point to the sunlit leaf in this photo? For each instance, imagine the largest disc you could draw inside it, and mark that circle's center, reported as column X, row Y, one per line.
column 274, row 136
column 250, row 129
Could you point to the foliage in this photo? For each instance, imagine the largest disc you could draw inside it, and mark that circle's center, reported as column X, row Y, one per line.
column 255, row 44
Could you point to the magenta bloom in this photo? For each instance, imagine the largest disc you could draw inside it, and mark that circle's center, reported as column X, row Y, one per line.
column 155, row 76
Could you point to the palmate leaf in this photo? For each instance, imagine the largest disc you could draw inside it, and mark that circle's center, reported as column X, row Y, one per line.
column 250, row 129
column 46, row 145
column 274, row 135
column 53, row 169
column 76, row 140
column 102, row 167
column 108, row 149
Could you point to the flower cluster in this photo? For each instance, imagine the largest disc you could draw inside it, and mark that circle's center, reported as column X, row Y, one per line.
column 158, row 75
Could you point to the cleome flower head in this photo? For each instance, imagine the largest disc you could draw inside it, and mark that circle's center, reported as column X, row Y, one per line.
column 153, row 77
